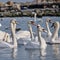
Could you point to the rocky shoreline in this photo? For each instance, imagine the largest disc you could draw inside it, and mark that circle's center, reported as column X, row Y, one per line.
column 27, row 14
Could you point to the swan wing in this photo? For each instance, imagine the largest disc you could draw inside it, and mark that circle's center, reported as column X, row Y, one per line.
column 22, row 34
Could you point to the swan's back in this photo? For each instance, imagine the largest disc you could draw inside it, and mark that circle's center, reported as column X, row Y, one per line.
column 2, row 34
column 23, row 34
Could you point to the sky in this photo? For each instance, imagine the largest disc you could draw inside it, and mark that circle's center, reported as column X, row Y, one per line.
column 16, row 0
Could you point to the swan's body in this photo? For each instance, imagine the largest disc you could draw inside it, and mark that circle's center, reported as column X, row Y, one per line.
column 23, row 37
column 33, row 44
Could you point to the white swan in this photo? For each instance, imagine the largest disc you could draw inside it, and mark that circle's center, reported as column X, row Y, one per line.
column 14, row 41
column 34, row 16
column 13, row 27
column 54, row 38
column 49, row 34
column 25, row 36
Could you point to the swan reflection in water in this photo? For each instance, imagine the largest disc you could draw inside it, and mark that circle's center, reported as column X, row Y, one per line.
column 36, row 54
column 14, row 53
column 56, row 51
column 33, row 54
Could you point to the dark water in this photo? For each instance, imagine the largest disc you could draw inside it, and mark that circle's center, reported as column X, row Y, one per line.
column 52, row 51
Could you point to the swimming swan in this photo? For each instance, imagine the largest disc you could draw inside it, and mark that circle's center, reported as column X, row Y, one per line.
column 55, row 38
column 41, row 40
column 14, row 41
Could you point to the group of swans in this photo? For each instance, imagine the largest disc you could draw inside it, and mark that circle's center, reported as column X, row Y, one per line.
column 38, row 41
column 27, row 37
column 22, row 36
column 14, row 37
column 34, row 43
column 52, row 37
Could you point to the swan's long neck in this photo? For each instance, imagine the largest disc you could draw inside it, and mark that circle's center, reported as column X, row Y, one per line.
column 31, row 32
column 39, row 36
column 35, row 17
column 41, row 39
column 48, row 30
column 55, row 33
column 13, row 27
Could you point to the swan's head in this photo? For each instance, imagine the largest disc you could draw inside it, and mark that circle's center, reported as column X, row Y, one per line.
column 31, row 22
column 34, row 13
column 13, row 21
column 49, row 20
column 55, row 24
column 41, row 29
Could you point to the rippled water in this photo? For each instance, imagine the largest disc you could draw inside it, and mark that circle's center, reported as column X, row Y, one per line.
column 52, row 51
